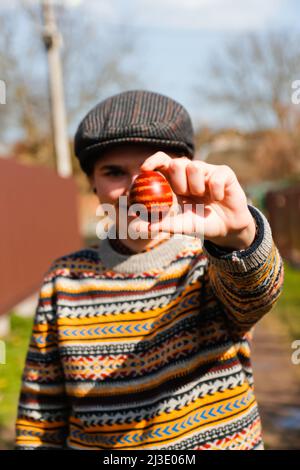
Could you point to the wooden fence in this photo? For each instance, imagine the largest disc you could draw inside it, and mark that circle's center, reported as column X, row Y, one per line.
column 283, row 207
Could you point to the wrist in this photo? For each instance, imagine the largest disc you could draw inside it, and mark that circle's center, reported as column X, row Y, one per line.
column 240, row 240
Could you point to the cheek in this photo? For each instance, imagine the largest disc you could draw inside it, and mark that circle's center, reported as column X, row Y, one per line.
column 109, row 192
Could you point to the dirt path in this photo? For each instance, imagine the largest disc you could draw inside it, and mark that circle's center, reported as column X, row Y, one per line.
column 277, row 385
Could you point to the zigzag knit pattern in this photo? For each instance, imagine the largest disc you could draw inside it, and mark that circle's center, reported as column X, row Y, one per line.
column 158, row 358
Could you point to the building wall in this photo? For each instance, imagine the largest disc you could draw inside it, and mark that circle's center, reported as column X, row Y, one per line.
column 39, row 222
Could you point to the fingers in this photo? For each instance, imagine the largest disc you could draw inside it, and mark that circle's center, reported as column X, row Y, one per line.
column 192, row 178
column 173, row 168
column 196, row 176
column 178, row 176
column 220, row 179
column 216, row 185
column 210, row 181
column 158, row 160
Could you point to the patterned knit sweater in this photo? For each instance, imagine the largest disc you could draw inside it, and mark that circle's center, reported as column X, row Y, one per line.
column 148, row 351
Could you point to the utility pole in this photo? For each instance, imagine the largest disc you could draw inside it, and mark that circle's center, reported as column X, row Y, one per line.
column 52, row 40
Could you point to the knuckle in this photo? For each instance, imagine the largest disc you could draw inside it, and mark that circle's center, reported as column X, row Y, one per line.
column 215, row 178
column 162, row 154
column 191, row 167
column 175, row 164
column 227, row 169
column 158, row 156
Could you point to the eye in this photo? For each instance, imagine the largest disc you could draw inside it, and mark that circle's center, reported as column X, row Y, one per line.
column 114, row 173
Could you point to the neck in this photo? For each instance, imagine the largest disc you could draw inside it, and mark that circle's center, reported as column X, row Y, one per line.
column 155, row 259
column 140, row 245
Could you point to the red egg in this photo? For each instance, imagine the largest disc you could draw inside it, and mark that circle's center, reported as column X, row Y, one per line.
column 153, row 190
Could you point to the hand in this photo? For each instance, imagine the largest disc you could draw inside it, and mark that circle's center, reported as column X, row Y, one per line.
column 226, row 219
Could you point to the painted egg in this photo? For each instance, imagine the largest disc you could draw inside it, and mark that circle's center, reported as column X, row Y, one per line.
column 153, row 190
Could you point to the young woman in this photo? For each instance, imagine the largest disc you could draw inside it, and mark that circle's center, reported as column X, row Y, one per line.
column 145, row 343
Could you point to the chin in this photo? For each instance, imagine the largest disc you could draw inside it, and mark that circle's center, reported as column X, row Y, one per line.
column 139, row 226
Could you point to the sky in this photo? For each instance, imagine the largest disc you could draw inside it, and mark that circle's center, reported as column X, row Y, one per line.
column 177, row 38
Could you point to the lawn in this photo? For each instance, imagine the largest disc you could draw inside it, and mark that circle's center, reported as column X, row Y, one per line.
column 10, row 375
column 287, row 310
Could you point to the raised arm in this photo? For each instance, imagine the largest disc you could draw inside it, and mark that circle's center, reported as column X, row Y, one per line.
column 247, row 282
column 245, row 269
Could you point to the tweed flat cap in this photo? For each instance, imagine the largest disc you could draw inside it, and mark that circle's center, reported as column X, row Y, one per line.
column 134, row 116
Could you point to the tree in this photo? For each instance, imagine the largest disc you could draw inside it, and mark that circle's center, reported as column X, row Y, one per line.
column 252, row 76
column 93, row 61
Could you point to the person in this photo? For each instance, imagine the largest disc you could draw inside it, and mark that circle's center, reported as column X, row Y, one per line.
column 146, row 343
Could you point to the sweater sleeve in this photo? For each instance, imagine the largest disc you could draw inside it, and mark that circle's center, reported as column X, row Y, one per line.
column 42, row 418
column 247, row 282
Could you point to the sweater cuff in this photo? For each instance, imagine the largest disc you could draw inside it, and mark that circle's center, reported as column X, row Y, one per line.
column 243, row 260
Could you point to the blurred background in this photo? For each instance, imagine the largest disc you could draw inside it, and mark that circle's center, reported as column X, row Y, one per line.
column 234, row 65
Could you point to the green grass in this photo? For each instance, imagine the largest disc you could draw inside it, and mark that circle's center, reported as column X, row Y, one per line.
column 16, row 346
column 288, row 306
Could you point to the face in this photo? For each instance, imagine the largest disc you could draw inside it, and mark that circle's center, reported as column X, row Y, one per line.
column 117, row 168
column 115, row 172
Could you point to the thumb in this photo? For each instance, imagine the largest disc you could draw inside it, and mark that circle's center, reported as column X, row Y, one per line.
column 171, row 222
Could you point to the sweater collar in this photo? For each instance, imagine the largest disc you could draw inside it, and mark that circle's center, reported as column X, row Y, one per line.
column 156, row 258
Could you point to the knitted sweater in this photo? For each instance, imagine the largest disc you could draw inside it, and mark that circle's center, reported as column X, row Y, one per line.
column 148, row 351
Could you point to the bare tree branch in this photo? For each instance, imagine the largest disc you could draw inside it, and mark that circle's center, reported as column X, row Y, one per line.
column 93, row 60
column 253, row 76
